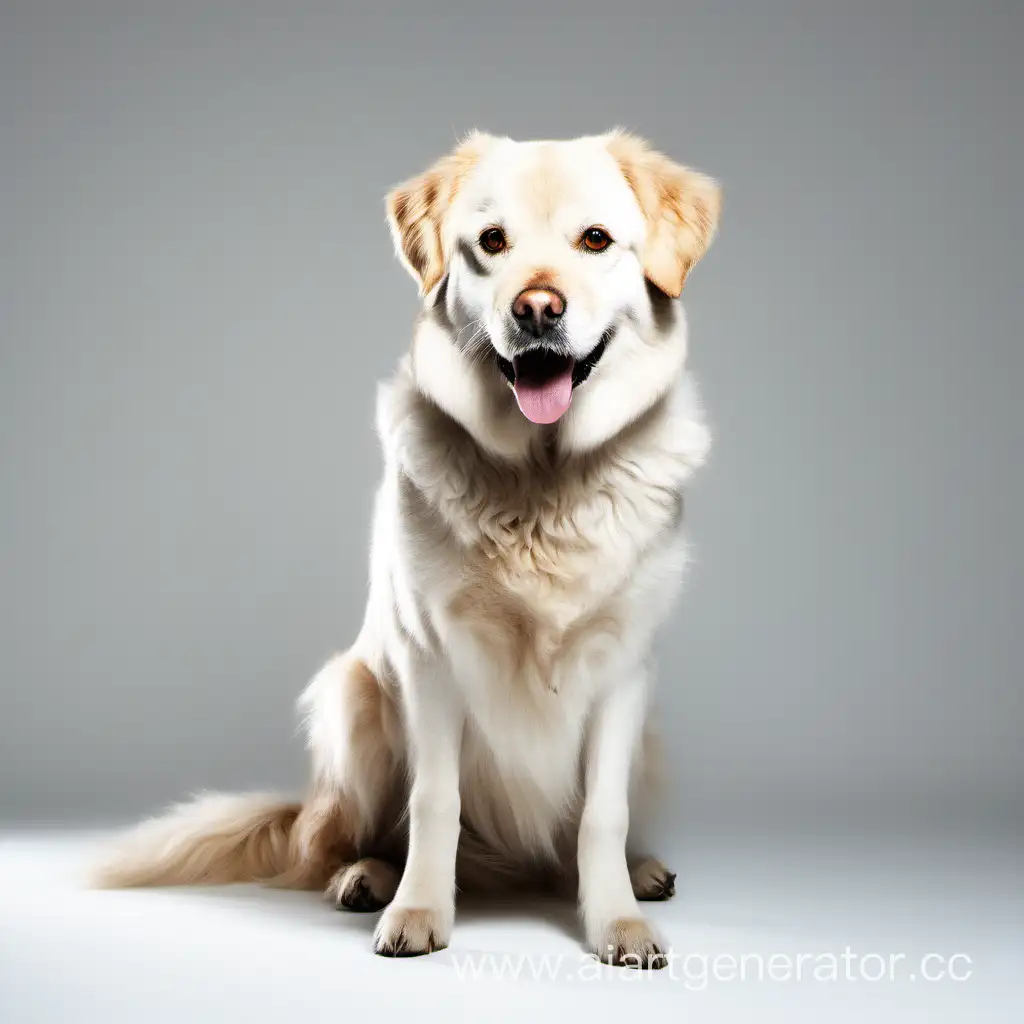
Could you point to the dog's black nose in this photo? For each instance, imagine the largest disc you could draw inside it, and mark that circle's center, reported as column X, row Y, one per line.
column 537, row 310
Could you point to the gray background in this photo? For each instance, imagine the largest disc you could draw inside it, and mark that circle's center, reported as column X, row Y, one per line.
column 197, row 294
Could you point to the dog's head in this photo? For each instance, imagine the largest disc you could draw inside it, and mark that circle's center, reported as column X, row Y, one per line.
column 553, row 263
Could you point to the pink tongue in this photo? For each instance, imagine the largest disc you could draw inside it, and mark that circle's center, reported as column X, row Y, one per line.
column 545, row 402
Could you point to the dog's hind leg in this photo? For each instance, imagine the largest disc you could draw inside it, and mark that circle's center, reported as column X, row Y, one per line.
column 355, row 736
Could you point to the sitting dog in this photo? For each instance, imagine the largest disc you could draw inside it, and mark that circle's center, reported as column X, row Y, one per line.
column 487, row 728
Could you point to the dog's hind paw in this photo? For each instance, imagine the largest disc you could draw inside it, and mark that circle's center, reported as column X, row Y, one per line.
column 651, row 880
column 367, row 885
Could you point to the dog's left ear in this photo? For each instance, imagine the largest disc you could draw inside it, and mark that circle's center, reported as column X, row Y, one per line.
column 681, row 207
column 416, row 210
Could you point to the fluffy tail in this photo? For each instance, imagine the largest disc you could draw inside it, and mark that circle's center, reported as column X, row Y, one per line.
column 214, row 839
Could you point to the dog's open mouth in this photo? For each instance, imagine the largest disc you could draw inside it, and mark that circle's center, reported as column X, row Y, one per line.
column 543, row 380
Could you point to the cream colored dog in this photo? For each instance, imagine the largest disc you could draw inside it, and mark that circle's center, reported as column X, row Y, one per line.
column 487, row 726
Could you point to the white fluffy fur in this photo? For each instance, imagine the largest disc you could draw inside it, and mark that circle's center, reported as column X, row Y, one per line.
column 488, row 722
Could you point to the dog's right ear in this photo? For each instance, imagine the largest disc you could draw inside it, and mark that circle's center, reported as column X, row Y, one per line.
column 416, row 210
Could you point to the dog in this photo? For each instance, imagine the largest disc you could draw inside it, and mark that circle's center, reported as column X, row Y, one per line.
column 488, row 728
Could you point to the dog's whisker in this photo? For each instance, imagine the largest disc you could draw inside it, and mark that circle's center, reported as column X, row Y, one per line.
column 473, row 325
column 477, row 348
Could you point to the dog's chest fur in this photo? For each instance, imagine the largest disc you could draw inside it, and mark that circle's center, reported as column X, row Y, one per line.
column 538, row 583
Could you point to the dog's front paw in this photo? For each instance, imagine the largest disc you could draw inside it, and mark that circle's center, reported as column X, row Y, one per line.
column 630, row 942
column 411, row 931
column 651, row 880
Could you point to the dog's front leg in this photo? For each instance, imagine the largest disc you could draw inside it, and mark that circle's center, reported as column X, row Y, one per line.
column 615, row 929
column 419, row 919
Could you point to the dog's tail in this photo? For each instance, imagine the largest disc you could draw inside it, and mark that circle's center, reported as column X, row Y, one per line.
column 214, row 839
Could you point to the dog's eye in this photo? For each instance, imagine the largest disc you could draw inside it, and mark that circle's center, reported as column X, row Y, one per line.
column 493, row 240
column 596, row 239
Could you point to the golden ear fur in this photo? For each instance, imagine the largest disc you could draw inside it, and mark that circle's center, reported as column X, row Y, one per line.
column 681, row 207
column 416, row 211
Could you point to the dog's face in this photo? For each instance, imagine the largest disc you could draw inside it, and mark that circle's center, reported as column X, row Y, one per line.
column 542, row 254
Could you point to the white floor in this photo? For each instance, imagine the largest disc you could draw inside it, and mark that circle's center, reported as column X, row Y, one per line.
column 241, row 953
